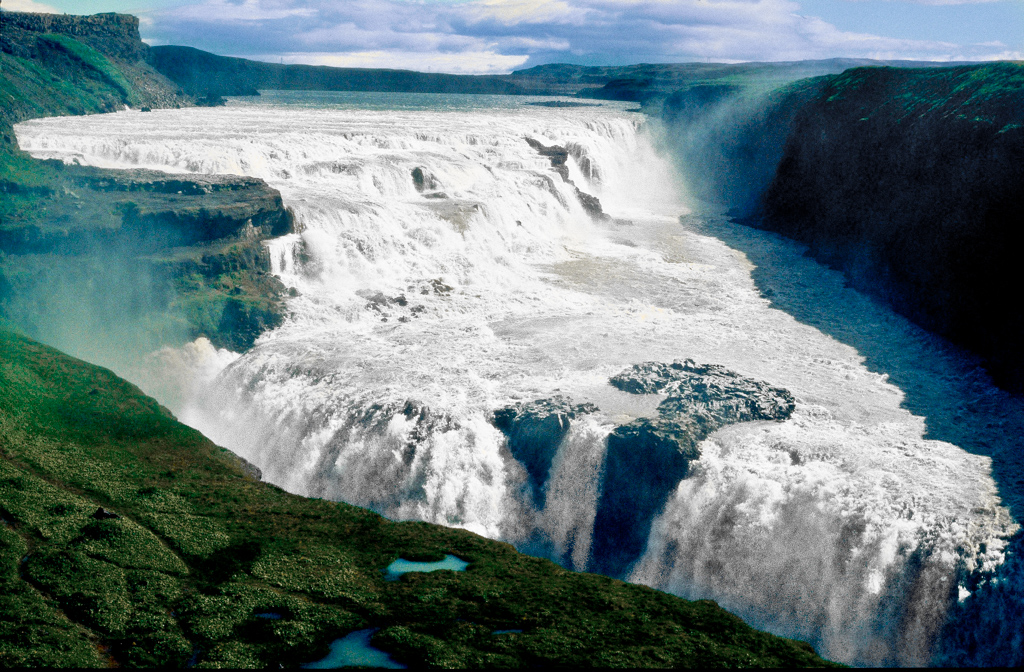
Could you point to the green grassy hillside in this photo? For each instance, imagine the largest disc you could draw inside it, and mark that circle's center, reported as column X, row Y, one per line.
column 130, row 539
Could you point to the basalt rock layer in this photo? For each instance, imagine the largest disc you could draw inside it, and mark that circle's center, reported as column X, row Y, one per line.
column 535, row 430
column 174, row 256
column 559, row 157
column 646, row 458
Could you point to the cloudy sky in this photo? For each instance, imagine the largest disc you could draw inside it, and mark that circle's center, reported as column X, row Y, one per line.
column 490, row 36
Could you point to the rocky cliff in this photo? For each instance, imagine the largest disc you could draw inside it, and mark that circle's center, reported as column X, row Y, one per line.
column 910, row 181
column 58, row 64
column 114, row 35
column 167, row 259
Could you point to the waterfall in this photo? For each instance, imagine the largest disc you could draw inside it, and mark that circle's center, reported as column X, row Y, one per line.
column 445, row 269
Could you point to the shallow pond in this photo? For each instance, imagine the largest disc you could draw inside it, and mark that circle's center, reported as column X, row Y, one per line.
column 355, row 649
column 402, row 566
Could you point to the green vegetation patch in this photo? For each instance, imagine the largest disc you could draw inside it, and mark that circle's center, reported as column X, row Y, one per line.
column 978, row 94
column 92, row 60
column 129, row 538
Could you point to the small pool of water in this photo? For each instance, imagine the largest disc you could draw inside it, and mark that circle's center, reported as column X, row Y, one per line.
column 507, row 632
column 270, row 615
column 355, row 649
column 401, row 566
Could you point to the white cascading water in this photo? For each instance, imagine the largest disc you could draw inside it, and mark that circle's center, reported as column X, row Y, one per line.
column 852, row 525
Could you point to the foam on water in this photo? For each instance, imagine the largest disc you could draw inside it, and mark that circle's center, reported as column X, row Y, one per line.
column 418, row 315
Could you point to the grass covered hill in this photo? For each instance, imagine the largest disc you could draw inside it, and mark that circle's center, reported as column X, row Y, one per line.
column 129, row 539
column 204, row 74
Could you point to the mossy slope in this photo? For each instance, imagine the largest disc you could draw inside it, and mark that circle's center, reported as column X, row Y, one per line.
column 129, row 538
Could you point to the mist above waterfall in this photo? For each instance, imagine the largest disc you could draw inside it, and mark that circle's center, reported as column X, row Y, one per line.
column 444, row 270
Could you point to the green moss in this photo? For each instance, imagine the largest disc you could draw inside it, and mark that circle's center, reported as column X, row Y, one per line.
column 92, row 60
column 979, row 94
column 192, row 535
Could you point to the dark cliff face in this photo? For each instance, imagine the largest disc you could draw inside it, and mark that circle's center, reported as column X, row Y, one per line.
column 115, row 35
column 910, row 181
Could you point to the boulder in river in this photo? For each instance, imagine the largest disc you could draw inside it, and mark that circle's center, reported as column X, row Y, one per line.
column 535, row 429
column 648, row 457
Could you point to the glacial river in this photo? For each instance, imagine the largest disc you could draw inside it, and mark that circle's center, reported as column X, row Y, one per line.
column 876, row 523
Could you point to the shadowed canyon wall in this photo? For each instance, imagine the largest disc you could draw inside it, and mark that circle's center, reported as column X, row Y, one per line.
column 910, row 181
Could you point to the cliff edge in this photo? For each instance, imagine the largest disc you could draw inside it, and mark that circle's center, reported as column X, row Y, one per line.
column 910, row 181
column 92, row 255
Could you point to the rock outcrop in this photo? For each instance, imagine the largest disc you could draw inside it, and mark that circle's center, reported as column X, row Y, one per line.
column 648, row 457
column 154, row 211
column 559, row 158
column 535, row 429
column 102, row 57
column 114, row 35
column 180, row 256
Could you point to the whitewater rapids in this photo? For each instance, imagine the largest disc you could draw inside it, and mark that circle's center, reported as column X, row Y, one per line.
column 424, row 304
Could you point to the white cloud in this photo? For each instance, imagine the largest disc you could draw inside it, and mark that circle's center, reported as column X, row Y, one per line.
column 460, row 63
column 512, row 12
column 28, row 6
column 496, row 35
column 939, row 2
column 242, row 11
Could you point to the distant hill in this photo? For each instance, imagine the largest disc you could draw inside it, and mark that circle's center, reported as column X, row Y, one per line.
column 201, row 73
column 204, row 74
column 647, row 82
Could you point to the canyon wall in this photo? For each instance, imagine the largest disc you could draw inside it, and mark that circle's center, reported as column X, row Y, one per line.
column 910, row 181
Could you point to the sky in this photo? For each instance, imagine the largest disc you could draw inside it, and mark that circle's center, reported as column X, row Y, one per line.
column 498, row 36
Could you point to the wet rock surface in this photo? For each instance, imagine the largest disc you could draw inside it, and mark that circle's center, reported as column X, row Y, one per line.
column 706, row 389
column 534, row 430
column 648, row 457
column 559, row 157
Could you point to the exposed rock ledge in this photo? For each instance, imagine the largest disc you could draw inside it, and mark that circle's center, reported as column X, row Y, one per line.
column 147, row 210
column 535, row 430
column 647, row 457
column 559, row 157
column 193, row 243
